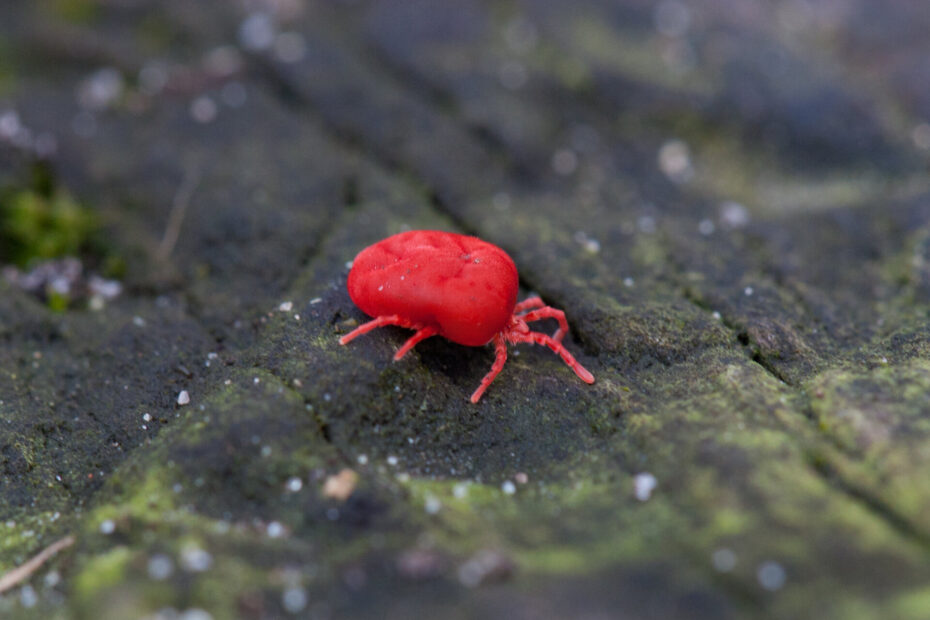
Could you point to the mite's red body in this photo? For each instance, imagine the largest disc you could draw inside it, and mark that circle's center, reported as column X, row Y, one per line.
column 459, row 287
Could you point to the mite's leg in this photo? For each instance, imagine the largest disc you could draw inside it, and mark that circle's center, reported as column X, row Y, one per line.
column 543, row 339
column 422, row 334
column 528, row 303
column 548, row 312
column 381, row 321
column 500, row 346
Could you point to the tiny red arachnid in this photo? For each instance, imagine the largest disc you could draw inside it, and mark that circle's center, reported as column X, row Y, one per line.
column 455, row 286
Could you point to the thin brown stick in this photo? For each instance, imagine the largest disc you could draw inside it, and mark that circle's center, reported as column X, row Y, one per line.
column 179, row 204
column 24, row 571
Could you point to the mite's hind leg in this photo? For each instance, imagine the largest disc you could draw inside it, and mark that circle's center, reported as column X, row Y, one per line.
column 543, row 339
column 500, row 347
column 548, row 312
column 422, row 334
column 381, row 321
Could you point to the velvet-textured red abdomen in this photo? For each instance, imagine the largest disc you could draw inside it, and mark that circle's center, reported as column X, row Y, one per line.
column 464, row 286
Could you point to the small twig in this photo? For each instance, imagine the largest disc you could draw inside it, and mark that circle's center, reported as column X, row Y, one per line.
column 179, row 204
column 24, row 571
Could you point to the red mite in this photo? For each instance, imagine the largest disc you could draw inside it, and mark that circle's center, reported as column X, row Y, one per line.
column 459, row 287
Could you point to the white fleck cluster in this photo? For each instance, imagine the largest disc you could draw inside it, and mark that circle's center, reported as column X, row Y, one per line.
column 643, row 485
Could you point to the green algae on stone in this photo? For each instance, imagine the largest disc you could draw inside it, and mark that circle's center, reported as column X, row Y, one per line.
column 101, row 572
column 73, row 11
column 913, row 604
column 35, row 225
column 547, row 526
column 215, row 488
column 23, row 536
column 878, row 418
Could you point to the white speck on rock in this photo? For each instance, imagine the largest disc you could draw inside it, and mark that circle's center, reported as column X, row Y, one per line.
column 184, row 398
column 723, row 559
column 432, row 505
column 10, row 125
column 28, row 597
column 257, row 32
column 222, row 61
column 160, row 567
column 509, row 487
column 733, row 214
column 675, row 161
column 643, row 485
column 203, row 109
column 102, row 89
column 107, row 527
column 286, row 306
column 294, row 599
column 771, row 575
column 195, row 559
column 485, row 566
column 152, row 78
column 921, row 136
column 593, row 246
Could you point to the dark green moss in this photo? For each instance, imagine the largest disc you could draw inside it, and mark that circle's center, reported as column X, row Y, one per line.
column 43, row 221
column 35, row 226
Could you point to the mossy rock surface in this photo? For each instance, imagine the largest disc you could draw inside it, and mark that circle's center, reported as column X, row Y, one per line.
column 729, row 201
